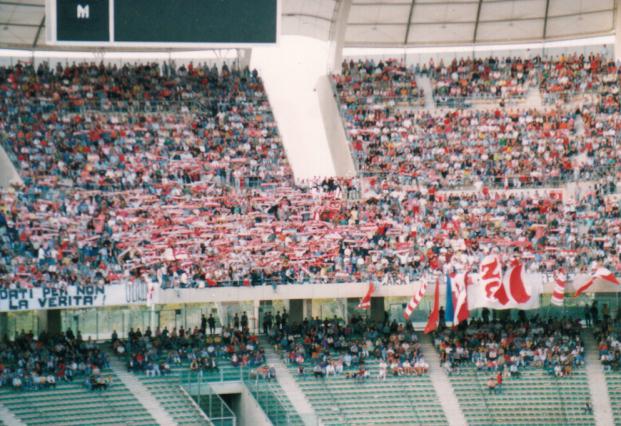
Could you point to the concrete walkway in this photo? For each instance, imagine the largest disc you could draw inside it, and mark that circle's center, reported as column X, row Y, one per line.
column 442, row 385
column 533, row 98
column 295, row 394
column 424, row 83
column 602, row 411
column 140, row 391
column 8, row 418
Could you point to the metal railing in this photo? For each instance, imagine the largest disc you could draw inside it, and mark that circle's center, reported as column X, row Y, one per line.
column 266, row 394
column 212, row 405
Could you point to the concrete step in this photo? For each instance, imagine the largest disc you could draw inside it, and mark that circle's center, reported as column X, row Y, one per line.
column 140, row 391
column 294, row 392
column 442, row 385
column 600, row 398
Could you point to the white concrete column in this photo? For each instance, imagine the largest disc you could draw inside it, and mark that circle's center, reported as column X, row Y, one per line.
column 337, row 36
column 153, row 323
column 308, row 308
column 243, row 57
column 254, row 321
column 618, row 30
column 8, row 172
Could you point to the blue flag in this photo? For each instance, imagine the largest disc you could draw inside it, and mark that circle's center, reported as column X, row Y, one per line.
column 449, row 313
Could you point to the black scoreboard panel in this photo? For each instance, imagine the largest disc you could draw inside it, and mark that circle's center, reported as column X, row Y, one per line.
column 195, row 21
column 163, row 22
column 83, row 20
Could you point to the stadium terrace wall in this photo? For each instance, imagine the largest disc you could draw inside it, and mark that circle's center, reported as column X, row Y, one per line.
column 413, row 56
column 136, row 294
column 35, row 299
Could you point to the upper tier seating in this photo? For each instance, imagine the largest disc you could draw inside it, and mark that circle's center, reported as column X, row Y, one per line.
column 382, row 84
column 196, row 190
column 487, row 78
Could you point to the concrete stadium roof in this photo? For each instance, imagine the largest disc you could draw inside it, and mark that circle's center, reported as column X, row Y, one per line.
column 389, row 23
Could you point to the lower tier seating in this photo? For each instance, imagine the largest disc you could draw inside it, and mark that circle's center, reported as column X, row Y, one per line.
column 613, row 380
column 166, row 390
column 403, row 400
column 73, row 404
column 535, row 398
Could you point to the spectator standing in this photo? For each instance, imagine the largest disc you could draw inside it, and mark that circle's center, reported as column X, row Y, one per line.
column 203, row 324
column 212, row 324
column 587, row 315
column 244, row 321
column 278, row 320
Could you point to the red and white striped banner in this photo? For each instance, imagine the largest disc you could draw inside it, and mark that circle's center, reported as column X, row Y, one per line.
column 558, row 295
column 415, row 301
column 365, row 303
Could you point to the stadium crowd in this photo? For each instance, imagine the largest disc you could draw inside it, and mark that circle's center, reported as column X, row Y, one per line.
column 510, row 346
column 177, row 177
column 332, row 348
column 31, row 363
column 504, row 147
column 480, row 78
column 154, row 353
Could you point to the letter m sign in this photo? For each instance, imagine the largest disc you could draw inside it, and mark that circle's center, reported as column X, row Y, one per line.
column 83, row 12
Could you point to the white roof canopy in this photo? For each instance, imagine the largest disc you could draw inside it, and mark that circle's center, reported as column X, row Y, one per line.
column 390, row 23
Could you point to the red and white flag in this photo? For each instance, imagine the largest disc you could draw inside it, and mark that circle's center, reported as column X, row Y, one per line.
column 460, row 297
column 365, row 303
column 560, row 280
column 414, row 301
column 512, row 290
column 601, row 273
column 434, row 316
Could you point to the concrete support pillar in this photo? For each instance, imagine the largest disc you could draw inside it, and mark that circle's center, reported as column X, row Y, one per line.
column 618, row 30
column 50, row 321
column 4, row 325
column 351, row 301
column 254, row 318
column 223, row 314
column 153, row 318
column 243, row 57
column 337, row 37
column 308, row 308
column 41, row 320
column 296, row 311
column 378, row 310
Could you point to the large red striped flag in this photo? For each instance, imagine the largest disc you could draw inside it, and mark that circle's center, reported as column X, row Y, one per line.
column 434, row 316
column 414, row 301
column 600, row 274
column 558, row 294
column 365, row 303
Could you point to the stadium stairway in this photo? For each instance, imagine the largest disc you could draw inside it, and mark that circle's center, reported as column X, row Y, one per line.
column 8, row 418
column 142, row 393
column 286, row 380
column 8, row 172
column 534, row 99
column 442, row 385
column 600, row 397
column 424, row 83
